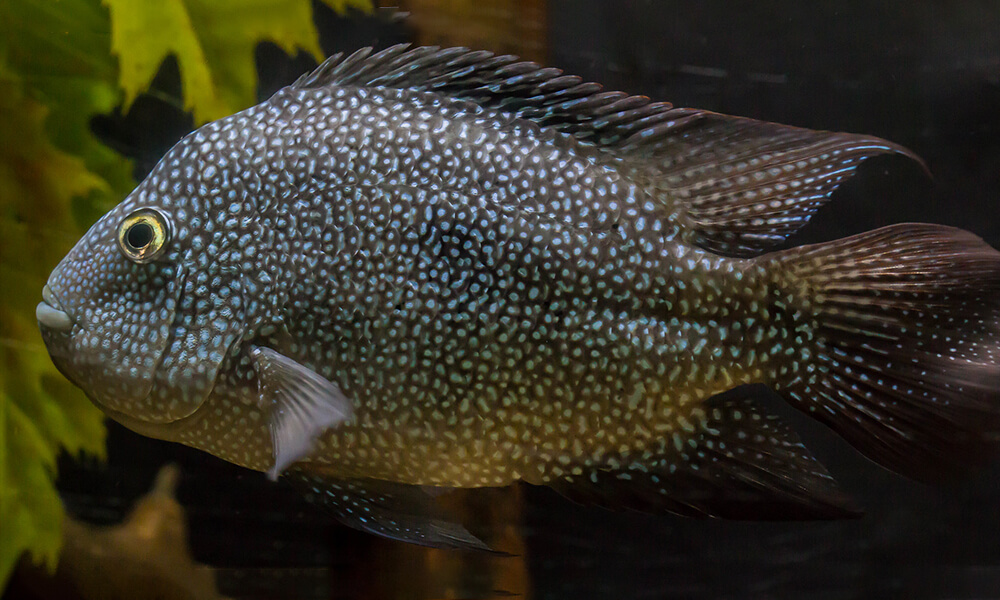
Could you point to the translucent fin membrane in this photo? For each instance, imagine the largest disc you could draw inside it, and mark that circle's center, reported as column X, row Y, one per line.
column 738, row 463
column 397, row 511
column 908, row 363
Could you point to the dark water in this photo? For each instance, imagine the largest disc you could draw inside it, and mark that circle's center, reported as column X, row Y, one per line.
column 924, row 74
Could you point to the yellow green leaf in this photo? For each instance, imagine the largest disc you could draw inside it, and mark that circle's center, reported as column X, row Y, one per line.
column 214, row 43
column 61, row 51
column 144, row 33
column 343, row 6
column 38, row 415
column 56, row 73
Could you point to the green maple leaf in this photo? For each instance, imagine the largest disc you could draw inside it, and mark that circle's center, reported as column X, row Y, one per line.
column 61, row 51
column 214, row 43
column 56, row 73
column 39, row 412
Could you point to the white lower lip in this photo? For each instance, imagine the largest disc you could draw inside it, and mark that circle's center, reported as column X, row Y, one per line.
column 52, row 318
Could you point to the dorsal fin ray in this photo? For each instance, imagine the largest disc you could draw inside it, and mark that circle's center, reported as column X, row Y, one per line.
column 542, row 94
column 736, row 186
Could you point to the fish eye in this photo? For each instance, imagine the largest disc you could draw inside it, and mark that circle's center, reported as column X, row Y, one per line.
column 143, row 235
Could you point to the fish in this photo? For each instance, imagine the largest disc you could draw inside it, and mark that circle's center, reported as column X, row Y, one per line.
column 422, row 269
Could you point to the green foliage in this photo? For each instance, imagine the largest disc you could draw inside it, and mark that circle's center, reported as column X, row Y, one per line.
column 214, row 43
column 55, row 74
column 61, row 63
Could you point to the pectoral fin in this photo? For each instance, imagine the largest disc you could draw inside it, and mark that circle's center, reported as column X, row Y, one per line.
column 407, row 513
column 303, row 405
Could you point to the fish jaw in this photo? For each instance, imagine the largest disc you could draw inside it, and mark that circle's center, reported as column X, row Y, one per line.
column 56, row 326
column 50, row 313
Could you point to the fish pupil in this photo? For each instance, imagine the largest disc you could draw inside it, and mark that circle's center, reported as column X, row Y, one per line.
column 139, row 235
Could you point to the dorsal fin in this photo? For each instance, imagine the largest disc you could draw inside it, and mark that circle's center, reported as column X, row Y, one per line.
column 742, row 186
column 737, row 186
column 504, row 82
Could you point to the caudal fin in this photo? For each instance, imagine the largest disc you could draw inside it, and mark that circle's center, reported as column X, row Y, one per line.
column 905, row 358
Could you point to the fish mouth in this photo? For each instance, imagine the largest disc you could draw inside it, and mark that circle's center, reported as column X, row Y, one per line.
column 50, row 313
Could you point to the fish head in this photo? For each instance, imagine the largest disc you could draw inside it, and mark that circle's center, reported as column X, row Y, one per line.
column 142, row 313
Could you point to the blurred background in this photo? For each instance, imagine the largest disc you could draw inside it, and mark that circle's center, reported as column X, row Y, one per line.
column 922, row 73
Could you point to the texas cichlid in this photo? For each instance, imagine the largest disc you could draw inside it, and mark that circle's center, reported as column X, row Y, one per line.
column 426, row 268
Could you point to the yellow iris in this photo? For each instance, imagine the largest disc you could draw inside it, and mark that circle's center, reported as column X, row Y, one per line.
column 143, row 235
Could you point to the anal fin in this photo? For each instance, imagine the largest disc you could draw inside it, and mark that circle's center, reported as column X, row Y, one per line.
column 739, row 463
column 406, row 513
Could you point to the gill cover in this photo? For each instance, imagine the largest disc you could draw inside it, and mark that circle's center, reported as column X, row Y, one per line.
column 207, row 324
column 204, row 317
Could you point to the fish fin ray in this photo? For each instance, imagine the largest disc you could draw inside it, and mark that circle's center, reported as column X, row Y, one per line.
column 742, row 186
column 739, row 463
column 303, row 405
column 406, row 513
column 738, row 186
column 906, row 363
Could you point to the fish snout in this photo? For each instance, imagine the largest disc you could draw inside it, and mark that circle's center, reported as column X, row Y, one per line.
column 50, row 313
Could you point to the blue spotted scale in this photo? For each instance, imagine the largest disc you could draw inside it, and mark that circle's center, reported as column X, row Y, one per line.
column 422, row 269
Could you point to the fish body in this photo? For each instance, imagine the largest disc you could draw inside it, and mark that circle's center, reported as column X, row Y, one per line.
column 445, row 268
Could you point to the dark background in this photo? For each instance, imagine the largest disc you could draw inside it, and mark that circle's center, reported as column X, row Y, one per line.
column 925, row 74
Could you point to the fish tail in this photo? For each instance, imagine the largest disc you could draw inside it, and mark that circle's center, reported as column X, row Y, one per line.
column 898, row 344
